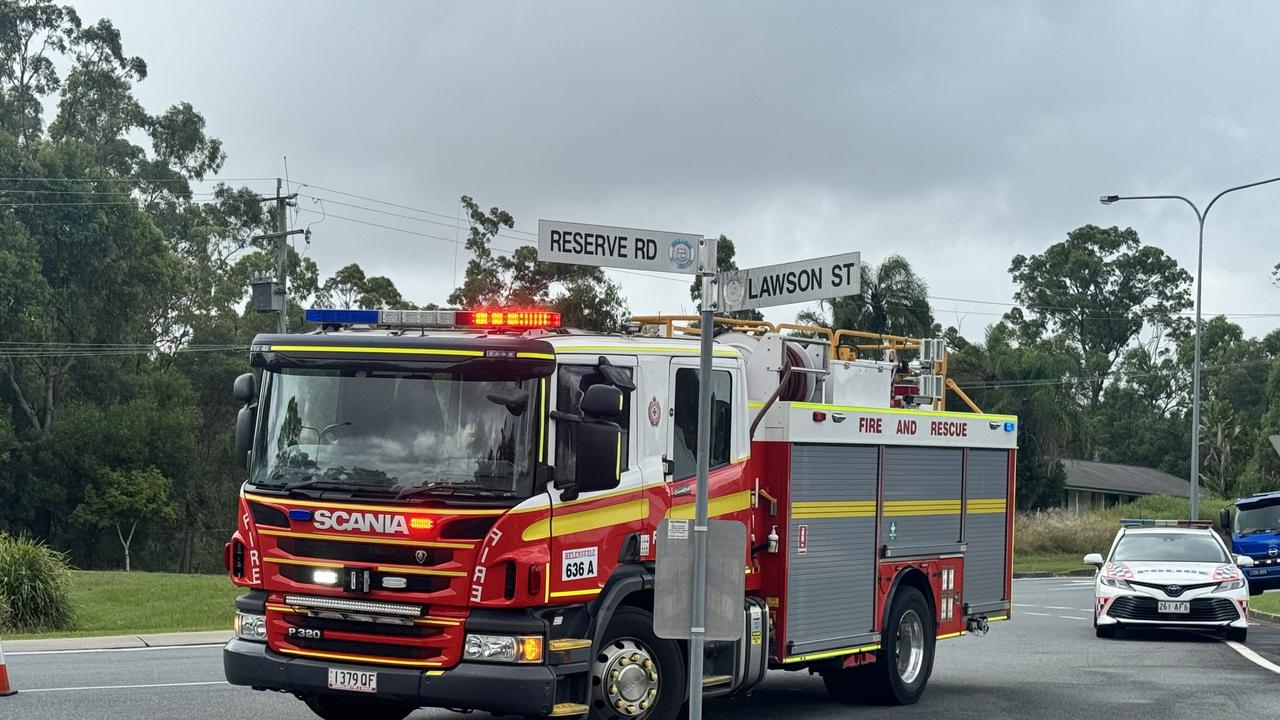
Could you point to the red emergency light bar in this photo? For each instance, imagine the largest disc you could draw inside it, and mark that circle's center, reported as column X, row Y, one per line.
column 508, row 319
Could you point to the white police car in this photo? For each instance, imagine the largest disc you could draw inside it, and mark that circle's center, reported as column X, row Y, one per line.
column 1172, row 574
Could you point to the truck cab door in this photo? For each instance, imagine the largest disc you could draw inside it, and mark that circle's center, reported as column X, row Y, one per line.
column 588, row 534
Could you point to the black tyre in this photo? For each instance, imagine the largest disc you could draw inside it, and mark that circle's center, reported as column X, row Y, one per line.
column 332, row 707
column 904, row 661
column 1238, row 634
column 1104, row 631
column 636, row 675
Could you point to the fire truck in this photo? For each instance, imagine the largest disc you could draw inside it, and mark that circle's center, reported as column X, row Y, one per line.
column 457, row 509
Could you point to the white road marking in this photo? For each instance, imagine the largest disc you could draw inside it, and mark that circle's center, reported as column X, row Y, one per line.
column 1037, row 614
column 1056, row 607
column 114, row 650
column 1071, row 617
column 126, row 687
column 1253, row 657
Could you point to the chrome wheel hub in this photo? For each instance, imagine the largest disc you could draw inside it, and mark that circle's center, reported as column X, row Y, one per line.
column 910, row 646
column 625, row 678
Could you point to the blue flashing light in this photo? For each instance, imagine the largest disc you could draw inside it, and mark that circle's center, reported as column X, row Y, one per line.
column 298, row 514
column 327, row 316
column 1009, row 427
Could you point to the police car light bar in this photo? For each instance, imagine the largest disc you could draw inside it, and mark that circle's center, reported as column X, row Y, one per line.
column 1148, row 522
column 511, row 319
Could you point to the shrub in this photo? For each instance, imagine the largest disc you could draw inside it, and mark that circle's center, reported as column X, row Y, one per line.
column 35, row 584
column 1061, row 532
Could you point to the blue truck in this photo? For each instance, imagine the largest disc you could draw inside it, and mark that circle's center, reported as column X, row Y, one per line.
column 1255, row 531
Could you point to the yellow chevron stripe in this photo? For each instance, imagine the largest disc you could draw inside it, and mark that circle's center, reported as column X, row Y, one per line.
column 830, row 653
column 716, row 506
column 575, row 593
column 304, row 563
column 583, row 520
column 379, row 350
column 899, row 508
column 810, row 510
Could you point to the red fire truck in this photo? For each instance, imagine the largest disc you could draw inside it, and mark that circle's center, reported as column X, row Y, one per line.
column 457, row 509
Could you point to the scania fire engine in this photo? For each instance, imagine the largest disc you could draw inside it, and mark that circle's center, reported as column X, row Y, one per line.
column 457, row 509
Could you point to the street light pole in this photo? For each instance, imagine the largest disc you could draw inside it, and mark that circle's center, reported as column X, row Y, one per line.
column 1195, row 363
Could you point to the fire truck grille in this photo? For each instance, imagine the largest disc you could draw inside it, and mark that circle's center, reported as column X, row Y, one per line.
column 364, row 553
column 430, row 642
column 369, row 649
column 1131, row 607
column 411, row 583
column 353, row 626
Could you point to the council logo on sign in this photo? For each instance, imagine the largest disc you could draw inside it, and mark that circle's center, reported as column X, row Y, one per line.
column 681, row 253
column 734, row 291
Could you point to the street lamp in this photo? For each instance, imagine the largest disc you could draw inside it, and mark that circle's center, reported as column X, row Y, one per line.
column 1195, row 365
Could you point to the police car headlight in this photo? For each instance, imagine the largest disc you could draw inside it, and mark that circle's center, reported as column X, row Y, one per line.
column 1231, row 584
column 503, row 648
column 1116, row 583
column 251, row 627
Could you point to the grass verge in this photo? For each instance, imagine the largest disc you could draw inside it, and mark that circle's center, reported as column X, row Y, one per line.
column 118, row 603
column 1049, row 562
column 1268, row 602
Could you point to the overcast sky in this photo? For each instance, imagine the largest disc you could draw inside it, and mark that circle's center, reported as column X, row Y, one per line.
column 955, row 134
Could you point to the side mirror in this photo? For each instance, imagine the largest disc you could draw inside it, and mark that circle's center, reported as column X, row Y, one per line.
column 599, row 454
column 1093, row 559
column 602, row 402
column 245, row 420
column 1224, row 519
column 1244, row 561
column 245, row 388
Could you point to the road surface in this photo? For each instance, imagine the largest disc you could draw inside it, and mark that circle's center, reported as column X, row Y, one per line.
column 1044, row 664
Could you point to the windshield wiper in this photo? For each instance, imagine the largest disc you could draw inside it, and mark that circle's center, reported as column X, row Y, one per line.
column 440, row 487
column 1257, row 531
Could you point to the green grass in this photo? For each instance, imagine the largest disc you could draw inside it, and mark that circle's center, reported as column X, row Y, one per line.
column 1050, row 563
column 118, row 603
column 1268, row 602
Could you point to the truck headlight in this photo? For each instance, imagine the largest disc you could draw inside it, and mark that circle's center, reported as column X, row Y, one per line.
column 503, row 648
column 251, row 627
column 1231, row 584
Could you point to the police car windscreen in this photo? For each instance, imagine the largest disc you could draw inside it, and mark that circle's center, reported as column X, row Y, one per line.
column 390, row 434
column 1168, row 547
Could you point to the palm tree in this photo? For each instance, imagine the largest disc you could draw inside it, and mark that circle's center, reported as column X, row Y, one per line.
column 893, row 300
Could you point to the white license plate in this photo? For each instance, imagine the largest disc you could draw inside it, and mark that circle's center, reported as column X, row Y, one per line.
column 1164, row 607
column 353, row 680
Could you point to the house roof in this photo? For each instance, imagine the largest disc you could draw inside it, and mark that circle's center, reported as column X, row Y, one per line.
column 1128, row 479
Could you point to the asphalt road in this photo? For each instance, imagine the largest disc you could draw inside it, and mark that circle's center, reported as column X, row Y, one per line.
column 1045, row 663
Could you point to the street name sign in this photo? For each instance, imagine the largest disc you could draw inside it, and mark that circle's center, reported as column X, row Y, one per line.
column 618, row 247
column 794, row 282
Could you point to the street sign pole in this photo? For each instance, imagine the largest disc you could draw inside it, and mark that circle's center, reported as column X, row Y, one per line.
column 697, row 629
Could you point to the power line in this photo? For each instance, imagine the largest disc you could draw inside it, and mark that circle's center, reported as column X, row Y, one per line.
column 1040, row 382
column 32, row 178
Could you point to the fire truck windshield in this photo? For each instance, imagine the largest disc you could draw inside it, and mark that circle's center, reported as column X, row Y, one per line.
column 397, row 434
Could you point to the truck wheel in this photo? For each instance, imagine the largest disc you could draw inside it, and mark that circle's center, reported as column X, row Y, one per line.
column 905, row 659
column 636, row 675
column 331, row 707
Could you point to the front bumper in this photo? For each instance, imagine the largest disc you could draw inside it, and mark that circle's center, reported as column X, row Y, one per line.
column 524, row 689
column 1136, row 609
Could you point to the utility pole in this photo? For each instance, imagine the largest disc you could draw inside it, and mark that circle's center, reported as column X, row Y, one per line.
column 282, row 258
column 280, row 287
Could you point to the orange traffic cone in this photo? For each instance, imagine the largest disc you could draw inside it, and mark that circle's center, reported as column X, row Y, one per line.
column 5, row 690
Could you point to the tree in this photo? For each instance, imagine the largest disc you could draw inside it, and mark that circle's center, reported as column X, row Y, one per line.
column 1003, row 376
column 893, row 300
column 32, row 34
column 350, row 288
column 125, row 499
column 1097, row 290
column 725, row 252
column 583, row 295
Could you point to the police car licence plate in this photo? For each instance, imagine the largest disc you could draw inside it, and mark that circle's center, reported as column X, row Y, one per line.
column 1164, row 607
column 353, row 680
